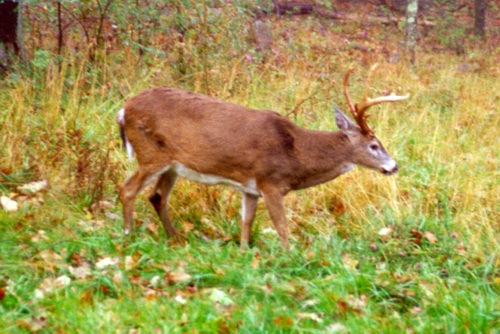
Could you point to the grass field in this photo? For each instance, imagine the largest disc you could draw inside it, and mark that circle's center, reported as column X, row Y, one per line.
column 414, row 252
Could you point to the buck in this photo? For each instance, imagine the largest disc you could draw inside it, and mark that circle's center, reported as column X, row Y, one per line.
column 175, row 133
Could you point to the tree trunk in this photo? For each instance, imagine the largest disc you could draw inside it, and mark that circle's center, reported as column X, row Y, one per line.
column 411, row 29
column 11, row 33
column 480, row 18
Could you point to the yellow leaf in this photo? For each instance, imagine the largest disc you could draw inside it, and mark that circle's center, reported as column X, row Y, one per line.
column 430, row 237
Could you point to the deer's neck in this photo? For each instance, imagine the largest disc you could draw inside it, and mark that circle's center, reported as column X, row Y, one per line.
column 323, row 156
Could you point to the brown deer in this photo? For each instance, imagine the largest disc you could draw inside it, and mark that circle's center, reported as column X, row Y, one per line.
column 175, row 133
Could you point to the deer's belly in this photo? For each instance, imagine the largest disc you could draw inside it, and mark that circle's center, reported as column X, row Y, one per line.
column 208, row 179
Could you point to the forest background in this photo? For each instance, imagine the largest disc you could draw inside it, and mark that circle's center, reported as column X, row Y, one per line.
column 414, row 252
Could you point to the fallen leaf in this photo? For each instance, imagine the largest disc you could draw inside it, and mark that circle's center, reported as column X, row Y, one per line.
column 152, row 227
column 130, row 262
column 107, row 262
column 309, row 303
column 310, row 316
column 415, row 310
column 91, row 225
column 49, row 256
column 357, row 303
column 49, row 284
column 181, row 300
column 269, row 230
column 417, row 236
column 150, row 294
column 155, row 281
column 349, row 263
column 268, row 289
column 461, row 249
column 33, row 187
column 430, row 237
column 2, row 293
column 81, row 272
column 41, row 235
column 384, row 232
column 117, row 277
column 8, row 204
column 336, row 327
column 38, row 294
column 177, row 277
column 219, row 296
column 187, row 226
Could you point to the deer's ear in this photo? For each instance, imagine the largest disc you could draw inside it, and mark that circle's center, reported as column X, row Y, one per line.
column 343, row 122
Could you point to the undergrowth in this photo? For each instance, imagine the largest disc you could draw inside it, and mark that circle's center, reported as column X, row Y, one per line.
column 414, row 252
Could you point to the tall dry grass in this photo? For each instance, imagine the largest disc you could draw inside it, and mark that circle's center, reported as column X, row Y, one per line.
column 57, row 122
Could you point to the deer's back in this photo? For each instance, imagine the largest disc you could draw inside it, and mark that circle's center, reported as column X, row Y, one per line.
column 207, row 134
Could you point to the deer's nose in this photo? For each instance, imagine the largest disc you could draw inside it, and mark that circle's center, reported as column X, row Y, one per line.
column 390, row 171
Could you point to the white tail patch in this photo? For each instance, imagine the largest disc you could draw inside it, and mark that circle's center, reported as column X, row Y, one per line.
column 120, row 118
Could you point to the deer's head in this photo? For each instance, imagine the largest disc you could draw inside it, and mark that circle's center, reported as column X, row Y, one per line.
column 367, row 150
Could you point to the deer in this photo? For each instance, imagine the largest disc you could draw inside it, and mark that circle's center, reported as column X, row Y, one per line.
column 177, row 133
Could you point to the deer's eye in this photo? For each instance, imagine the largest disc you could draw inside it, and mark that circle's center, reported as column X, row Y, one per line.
column 374, row 147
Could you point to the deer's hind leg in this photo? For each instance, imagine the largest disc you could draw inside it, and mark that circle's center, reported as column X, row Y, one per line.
column 159, row 200
column 134, row 184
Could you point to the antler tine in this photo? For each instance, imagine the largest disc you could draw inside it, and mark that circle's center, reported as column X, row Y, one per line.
column 381, row 99
column 356, row 113
column 351, row 105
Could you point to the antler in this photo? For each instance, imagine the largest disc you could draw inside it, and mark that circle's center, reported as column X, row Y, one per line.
column 358, row 112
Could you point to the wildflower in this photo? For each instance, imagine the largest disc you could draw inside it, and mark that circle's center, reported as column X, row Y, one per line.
column 401, row 254
column 248, row 58
column 454, row 235
column 373, row 247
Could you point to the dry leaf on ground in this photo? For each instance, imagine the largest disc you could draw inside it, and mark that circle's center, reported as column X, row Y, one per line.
column 8, row 204
column 107, row 262
column 50, row 284
column 130, row 262
column 33, row 187
column 349, row 263
column 430, row 237
column 384, row 232
column 310, row 316
column 219, row 296
column 152, row 227
column 177, row 277
column 336, row 327
column 49, row 256
column 40, row 236
column 81, row 272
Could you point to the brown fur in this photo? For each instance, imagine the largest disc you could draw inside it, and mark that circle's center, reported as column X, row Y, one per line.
column 211, row 136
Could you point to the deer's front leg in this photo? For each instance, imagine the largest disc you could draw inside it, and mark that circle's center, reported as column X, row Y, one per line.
column 274, row 203
column 248, row 208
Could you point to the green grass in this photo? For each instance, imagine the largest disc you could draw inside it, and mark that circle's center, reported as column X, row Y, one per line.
column 437, row 271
